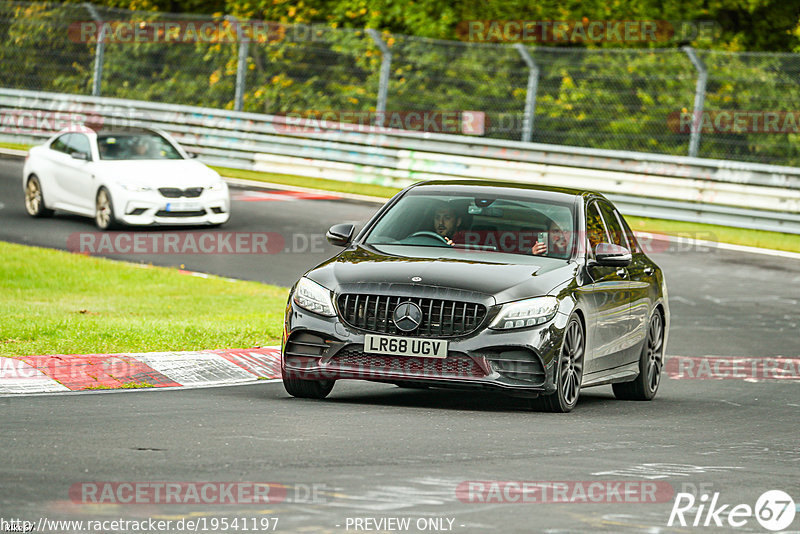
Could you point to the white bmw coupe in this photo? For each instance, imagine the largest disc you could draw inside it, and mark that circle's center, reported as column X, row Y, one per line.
column 134, row 176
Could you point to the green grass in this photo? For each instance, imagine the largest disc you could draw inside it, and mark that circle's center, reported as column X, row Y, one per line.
column 17, row 146
column 126, row 385
column 55, row 302
column 371, row 190
column 724, row 234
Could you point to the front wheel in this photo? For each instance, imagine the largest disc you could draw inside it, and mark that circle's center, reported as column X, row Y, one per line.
column 651, row 361
column 569, row 372
column 308, row 389
column 104, row 210
column 34, row 199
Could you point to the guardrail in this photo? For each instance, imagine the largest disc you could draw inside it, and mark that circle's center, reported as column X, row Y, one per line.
column 745, row 195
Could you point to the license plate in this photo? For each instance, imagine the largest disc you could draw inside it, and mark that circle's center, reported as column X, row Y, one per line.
column 405, row 346
column 183, row 206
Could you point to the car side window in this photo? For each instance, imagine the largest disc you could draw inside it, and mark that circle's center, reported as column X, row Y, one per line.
column 632, row 242
column 595, row 228
column 60, row 144
column 613, row 226
column 78, row 143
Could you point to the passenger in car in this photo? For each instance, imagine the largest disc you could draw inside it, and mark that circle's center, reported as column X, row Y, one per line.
column 556, row 242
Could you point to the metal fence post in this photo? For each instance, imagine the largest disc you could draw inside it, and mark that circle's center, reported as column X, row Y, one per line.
column 241, row 64
column 386, row 66
column 99, row 50
column 699, row 99
column 530, row 94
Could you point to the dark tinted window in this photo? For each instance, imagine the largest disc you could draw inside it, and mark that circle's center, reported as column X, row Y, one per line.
column 130, row 145
column 60, row 144
column 613, row 227
column 595, row 229
column 632, row 242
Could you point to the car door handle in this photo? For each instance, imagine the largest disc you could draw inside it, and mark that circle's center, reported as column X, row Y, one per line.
column 648, row 271
column 622, row 273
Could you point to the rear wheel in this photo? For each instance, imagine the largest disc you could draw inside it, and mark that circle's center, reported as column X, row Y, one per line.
column 569, row 372
column 34, row 199
column 308, row 389
column 651, row 361
column 104, row 210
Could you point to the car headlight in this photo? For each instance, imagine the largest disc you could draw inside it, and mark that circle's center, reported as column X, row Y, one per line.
column 135, row 188
column 313, row 297
column 523, row 313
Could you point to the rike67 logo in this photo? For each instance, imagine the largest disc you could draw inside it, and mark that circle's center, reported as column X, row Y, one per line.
column 774, row 510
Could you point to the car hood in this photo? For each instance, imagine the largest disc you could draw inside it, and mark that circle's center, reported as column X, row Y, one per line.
column 158, row 173
column 501, row 277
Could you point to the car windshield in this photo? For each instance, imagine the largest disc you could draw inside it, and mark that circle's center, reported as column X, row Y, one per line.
column 507, row 224
column 127, row 146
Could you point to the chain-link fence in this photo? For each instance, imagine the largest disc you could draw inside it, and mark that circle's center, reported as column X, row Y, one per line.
column 627, row 99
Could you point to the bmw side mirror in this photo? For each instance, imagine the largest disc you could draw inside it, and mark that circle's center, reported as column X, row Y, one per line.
column 192, row 155
column 340, row 234
column 611, row 255
column 81, row 155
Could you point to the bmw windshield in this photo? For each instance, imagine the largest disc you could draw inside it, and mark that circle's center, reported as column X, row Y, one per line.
column 129, row 146
column 499, row 224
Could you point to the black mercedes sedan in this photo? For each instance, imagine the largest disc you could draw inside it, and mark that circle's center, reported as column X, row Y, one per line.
column 531, row 291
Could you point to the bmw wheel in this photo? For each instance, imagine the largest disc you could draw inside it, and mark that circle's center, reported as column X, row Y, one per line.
column 104, row 210
column 651, row 361
column 34, row 199
column 569, row 372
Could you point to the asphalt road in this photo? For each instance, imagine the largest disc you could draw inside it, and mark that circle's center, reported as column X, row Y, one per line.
column 376, row 451
column 298, row 225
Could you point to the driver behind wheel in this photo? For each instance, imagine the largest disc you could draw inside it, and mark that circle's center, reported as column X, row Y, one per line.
column 446, row 222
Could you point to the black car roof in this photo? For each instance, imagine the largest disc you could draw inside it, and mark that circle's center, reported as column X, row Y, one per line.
column 485, row 186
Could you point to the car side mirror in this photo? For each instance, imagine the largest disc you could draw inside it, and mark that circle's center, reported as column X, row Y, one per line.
column 611, row 255
column 340, row 234
column 192, row 155
column 81, row 155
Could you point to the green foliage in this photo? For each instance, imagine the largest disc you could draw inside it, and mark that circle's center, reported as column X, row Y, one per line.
column 602, row 95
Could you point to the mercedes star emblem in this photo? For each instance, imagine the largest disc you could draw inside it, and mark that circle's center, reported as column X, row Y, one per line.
column 407, row 316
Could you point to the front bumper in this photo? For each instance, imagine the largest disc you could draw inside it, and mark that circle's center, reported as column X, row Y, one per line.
column 150, row 208
column 520, row 362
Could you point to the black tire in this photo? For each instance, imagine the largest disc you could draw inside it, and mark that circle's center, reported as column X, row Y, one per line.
column 569, row 372
column 308, row 389
column 104, row 217
column 34, row 198
column 651, row 362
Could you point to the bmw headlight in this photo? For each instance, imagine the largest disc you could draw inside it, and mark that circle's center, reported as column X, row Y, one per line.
column 313, row 297
column 528, row 312
column 135, row 188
